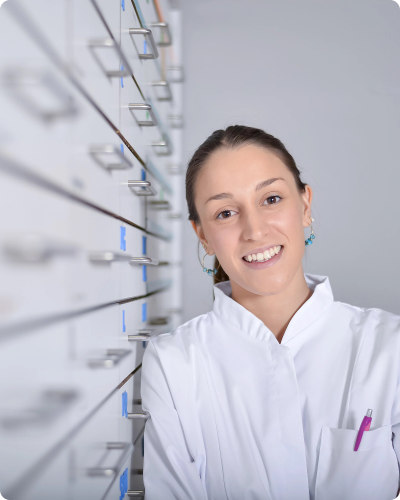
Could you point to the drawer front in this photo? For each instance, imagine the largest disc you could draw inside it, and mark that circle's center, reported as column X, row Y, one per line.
column 46, row 247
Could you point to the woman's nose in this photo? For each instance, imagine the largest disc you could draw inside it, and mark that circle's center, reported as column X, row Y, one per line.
column 255, row 226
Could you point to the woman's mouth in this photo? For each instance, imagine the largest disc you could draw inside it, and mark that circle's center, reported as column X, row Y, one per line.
column 263, row 260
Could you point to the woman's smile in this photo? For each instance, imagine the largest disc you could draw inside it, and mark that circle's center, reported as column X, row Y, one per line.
column 257, row 263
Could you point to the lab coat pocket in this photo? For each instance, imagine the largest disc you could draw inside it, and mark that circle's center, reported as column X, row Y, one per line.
column 370, row 473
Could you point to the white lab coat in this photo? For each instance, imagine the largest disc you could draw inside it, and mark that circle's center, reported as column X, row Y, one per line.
column 236, row 415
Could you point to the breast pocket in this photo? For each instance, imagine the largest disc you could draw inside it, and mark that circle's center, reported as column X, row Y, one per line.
column 370, row 473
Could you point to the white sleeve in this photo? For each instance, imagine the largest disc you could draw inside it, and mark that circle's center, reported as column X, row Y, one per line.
column 396, row 428
column 169, row 471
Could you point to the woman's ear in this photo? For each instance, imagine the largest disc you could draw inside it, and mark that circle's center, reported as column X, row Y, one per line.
column 307, row 199
column 200, row 234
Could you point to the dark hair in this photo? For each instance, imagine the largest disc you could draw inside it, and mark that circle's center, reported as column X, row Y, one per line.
column 233, row 137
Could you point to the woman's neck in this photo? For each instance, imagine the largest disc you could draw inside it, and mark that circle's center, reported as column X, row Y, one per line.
column 275, row 311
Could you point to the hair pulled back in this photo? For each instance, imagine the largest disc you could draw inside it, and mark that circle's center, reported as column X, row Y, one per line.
column 233, row 137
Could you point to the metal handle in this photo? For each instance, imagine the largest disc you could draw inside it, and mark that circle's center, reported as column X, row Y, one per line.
column 144, row 107
column 19, row 82
column 163, row 84
column 148, row 34
column 126, row 449
column 144, row 260
column 137, row 493
column 137, row 472
column 112, row 358
column 97, row 152
column 160, row 204
column 176, row 74
column 138, row 416
column 161, row 320
column 108, row 256
column 164, row 29
column 33, row 248
column 164, row 143
column 175, row 121
column 96, row 43
column 149, row 191
column 46, row 407
column 143, row 334
column 175, row 169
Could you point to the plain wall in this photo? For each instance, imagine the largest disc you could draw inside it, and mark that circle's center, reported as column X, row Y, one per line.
column 323, row 77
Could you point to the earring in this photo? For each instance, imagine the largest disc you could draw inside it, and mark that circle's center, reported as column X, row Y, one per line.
column 209, row 271
column 312, row 235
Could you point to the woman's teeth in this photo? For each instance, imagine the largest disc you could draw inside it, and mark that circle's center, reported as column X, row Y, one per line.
column 261, row 257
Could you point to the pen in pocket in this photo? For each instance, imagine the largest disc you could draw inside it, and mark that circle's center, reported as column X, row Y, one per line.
column 365, row 425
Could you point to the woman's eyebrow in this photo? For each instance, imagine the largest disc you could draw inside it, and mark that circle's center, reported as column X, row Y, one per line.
column 259, row 186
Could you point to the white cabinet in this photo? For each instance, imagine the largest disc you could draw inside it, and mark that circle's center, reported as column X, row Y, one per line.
column 77, row 301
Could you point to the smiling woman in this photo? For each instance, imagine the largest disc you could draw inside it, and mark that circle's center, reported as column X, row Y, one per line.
column 221, row 161
column 263, row 396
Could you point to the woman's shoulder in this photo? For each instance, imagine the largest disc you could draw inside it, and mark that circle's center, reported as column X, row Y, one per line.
column 377, row 329
column 182, row 337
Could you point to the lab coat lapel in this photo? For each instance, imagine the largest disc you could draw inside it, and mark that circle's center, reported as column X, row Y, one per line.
column 232, row 312
column 311, row 310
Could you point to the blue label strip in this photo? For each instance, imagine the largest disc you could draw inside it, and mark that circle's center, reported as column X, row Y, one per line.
column 125, row 404
column 122, row 235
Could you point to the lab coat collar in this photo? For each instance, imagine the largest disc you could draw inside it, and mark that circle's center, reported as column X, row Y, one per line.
column 234, row 313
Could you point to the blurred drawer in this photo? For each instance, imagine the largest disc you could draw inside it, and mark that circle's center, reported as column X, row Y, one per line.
column 96, row 58
column 90, row 465
column 46, row 245
column 58, row 375
column 46, row 16
column 36, row 401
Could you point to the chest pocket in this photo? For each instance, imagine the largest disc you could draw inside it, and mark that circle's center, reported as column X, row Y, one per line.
column 370, row 473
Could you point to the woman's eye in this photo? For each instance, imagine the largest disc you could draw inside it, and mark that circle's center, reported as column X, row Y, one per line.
column 229, row 211
column 224, row 212
column 276, row 196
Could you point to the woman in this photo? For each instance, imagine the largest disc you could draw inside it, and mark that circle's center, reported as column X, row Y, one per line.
column 262, row 397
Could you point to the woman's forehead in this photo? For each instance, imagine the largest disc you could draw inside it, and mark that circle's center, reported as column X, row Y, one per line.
column 241, row 166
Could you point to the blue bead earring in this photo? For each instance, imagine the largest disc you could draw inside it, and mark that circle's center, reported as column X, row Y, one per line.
column 208, row 271
column 312, row 235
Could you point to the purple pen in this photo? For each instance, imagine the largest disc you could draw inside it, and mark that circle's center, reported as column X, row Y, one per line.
column 365, row 425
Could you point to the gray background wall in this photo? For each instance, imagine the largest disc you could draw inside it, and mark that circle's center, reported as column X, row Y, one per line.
column 323, row 77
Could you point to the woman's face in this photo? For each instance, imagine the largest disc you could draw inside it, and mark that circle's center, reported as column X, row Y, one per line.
column 239, row 216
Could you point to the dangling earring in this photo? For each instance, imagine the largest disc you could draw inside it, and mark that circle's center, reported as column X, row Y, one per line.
column 312, row 235
column 209, row 271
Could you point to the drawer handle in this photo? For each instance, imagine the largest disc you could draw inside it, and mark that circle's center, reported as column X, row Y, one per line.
column 160, row 204
column 161, row 320
column 47, row 407
column 98, row 43
column 144, row 107
column 163, row 84
column 107, row 150
column 164, row 28
column 108, row 256
column 142, row 335
column 112, row 358
column 175, row 169
column 137, row 493
column 175, row 121
column 175, row 74
column 33, row 248
column 164, row 143
column 138, row 416
column 126, row 449
column 144, row 260
column 149, row 35
column 23, row 83
column 149, row 191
